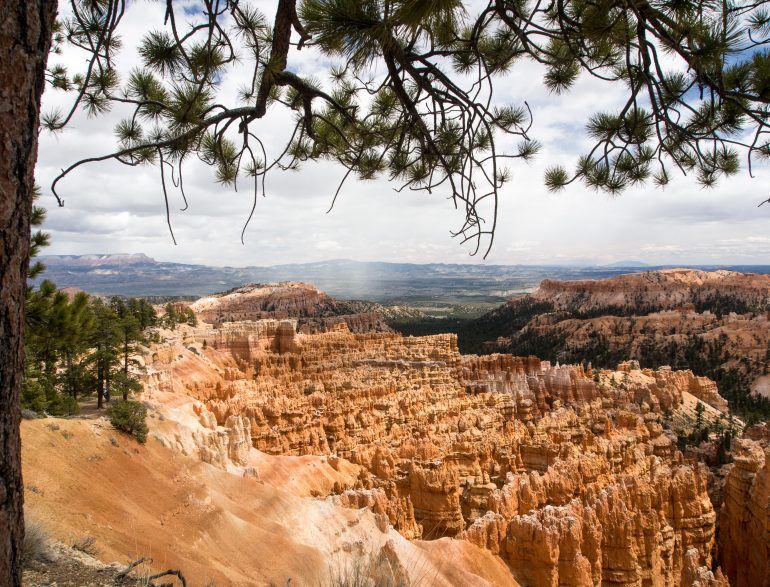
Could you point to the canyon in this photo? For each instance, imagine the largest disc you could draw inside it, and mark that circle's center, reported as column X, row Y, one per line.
column 286, row 432
column 714, row 322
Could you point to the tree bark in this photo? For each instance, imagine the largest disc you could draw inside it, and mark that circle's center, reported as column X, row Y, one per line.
column 107, row 393
column 125, row 368
column 99, row 380
column 279, row 51
column 25, row 39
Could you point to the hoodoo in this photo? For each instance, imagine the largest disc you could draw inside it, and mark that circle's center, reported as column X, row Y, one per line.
column 529, row 472
column 569, row 476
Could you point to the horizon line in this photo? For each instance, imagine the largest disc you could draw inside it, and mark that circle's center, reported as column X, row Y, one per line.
column 630, row 263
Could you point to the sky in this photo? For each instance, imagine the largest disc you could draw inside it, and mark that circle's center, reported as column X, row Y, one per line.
column 111, row 208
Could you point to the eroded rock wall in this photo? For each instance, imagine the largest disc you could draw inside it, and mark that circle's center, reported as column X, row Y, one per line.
column 744, row 532
column 565, row 472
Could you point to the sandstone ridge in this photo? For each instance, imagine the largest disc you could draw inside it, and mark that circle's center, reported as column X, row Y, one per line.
column 715, row 321
column 658, row 290
column 315, row 310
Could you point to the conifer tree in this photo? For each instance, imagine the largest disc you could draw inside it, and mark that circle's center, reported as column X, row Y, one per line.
column 129, row 319
column 106, row 352
column 143, row 312
column 410, row 93
column 75, row 343
column 170, row 317
column 699, row 409
column 55, row 328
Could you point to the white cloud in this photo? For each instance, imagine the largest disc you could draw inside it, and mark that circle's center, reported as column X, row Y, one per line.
column 113, row 208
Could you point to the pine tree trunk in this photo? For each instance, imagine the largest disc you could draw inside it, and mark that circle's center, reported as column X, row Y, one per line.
column 25, row 38
column 99, row 382
column 125, row 369
column 49, row 371
column 71, row 376
column 107, row 389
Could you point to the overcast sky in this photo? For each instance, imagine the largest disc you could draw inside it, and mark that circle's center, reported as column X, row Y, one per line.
column 110, row 208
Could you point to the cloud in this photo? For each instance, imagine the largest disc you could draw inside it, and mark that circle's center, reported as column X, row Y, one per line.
column 113, row 208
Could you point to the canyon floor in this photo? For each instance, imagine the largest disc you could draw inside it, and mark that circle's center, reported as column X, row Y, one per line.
column 306, row 451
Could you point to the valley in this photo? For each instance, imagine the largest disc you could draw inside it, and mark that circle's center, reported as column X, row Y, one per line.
column 293, row 435
column 434, row 289
column 713, row 322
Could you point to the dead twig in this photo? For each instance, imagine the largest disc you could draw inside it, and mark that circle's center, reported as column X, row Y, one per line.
column 124, row 573
column 177, row 574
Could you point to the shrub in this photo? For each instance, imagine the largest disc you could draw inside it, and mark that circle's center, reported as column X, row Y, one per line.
column 35, row 546
column 63, row 405
column 129, row 416
column 42, row 399
column 366, row 570
column 33, row 395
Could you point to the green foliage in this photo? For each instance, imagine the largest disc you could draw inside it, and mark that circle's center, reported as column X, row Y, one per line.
column 410, row 91
column 33, row 394
column 699, row 415
column 428, row 325
column 178, row 314
column 77, row 345
column 62, row 405
column 130, row 417
column 503, row 321
column 556, row 178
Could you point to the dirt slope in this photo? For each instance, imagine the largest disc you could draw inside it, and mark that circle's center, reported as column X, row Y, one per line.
column 149, row 501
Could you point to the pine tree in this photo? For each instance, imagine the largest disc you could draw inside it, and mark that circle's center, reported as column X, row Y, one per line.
column 143, row 312
column 410, row 93
column 55, row 331
column 170, row 317
column 129, row 319
column 190, row 318
column 699, row 409
column 106, row 353
column 75, row 344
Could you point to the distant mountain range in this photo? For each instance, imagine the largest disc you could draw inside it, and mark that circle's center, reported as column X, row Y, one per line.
column 117, row 259
column 628, row 264
column 420, row 285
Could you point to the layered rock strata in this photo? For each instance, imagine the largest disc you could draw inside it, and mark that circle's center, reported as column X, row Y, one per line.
column 314, row 310
column 659, row 290
column 565, row 472
column 744, row 531
column 715, row 321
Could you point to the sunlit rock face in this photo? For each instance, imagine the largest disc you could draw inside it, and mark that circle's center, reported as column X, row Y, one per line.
column 659, row 290
column 314, row 310
column 565, row 472
column 744, row 535
column 712, row 319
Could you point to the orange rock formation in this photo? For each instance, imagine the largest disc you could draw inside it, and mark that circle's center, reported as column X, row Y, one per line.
column 717, row 319
column 666, row 289
column 315, row 310
column 744, row 534
column 566, row 474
